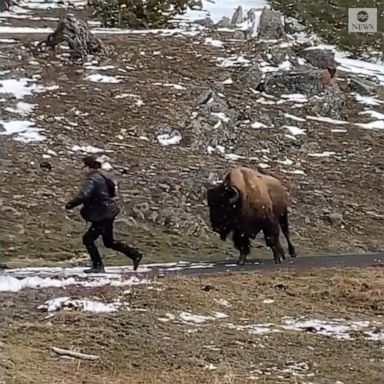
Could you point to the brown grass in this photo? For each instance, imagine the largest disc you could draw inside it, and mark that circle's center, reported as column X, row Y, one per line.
column 135, row 347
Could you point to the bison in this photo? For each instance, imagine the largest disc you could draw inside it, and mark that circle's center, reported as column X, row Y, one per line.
column 246, row 202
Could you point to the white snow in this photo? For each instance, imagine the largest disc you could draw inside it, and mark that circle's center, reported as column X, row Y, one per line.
column 232, row 61
column 378, row 124
column 221, row 116
column 374, row 114
column 199, row 319
column 322, row 154
column 268, row 301
column 359, row 67
column 22, row 108
column 90, row 66
column 8, row 41
column 172, row 138
column 228, row 81
column 367, row 100
column 87, row 149
column 293, row 117
column 213, row 42
column 335, row 328
column 327, row 120
column 218, row 9
column 294, row 130
column 9, row 283
column 85, row 305
column 296, row 97
column 25, row 131
column 175, row 86
column 286, row 161
column 258, row 125
column 255, row 329
column 98, row 78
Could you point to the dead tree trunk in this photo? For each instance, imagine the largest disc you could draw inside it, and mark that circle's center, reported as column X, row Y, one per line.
column 77, row 35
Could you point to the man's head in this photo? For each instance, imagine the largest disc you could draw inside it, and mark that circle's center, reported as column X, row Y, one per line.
column 91, row 162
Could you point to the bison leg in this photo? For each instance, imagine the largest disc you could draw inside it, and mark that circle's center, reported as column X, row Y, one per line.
column 271, row 234
column 242, row 243
column 283, row 220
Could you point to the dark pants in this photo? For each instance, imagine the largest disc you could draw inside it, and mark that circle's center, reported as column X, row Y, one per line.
column 105, row 229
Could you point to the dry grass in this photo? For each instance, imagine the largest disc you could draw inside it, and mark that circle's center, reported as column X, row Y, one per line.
column 135, row 347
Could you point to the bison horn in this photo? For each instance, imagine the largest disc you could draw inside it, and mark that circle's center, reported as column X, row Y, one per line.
column 236, row 197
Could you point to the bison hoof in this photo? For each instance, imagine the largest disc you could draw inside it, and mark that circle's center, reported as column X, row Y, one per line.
column 278, row 261
column 241, row 262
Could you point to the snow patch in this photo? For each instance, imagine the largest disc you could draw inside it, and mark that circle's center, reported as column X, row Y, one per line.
column 87, row 149
column 232, row 61
column 213, row 42
column 295, row 97
column 378, row 124
column 199, row 319
column 322, row 154
column 98, row 78
column 167, row 139
column 327, row 120
column 25, row 131
column 86, row 305
column 294, row 130
column 258, row 125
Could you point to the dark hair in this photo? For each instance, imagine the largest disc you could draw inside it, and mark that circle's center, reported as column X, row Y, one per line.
column 91, row 162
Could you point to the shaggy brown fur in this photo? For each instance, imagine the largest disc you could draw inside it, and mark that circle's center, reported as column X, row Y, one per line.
column 262, row 194
column 246, row 202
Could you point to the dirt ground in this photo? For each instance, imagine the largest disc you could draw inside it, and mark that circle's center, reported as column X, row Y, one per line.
column 171, row 179
column 143, row 343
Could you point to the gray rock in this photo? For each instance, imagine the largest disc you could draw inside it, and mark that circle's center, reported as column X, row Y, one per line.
column 335, row 218
column 319, row 58
column 239, row 35
column 207, row 22
column 252, row 76
column 292, row 26
column 361, row 86
column 279, row 53
column 330, row 104
column 237, row 17
column 305, row 82
column 225, row 22
column 270, row 26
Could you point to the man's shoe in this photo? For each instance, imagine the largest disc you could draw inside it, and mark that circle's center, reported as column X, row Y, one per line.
column 96, row 269
column 136, row 262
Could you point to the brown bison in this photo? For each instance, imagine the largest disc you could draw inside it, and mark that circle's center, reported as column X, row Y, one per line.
column 246, row 202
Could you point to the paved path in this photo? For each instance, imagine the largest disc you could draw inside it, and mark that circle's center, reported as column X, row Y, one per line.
column 299, row 263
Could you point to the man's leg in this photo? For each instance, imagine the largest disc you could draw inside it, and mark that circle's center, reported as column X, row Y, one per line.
column 89, row 239
column 119, row 246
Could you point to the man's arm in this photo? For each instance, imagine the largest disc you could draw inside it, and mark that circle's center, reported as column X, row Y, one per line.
column 84, row 194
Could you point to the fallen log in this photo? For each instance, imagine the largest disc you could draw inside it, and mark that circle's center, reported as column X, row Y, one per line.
column 77, row 355
column 76, row 33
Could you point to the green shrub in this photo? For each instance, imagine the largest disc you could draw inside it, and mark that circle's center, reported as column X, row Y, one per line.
column 139, row 14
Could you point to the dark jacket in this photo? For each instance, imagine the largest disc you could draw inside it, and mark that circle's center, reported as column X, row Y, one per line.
column 98, row 202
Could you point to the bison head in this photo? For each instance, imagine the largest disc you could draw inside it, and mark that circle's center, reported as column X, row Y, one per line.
column 224, row 203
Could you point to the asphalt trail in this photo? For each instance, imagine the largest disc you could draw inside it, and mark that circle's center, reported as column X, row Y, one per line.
column 300, row 263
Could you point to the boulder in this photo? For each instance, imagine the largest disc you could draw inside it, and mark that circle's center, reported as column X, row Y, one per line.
column 319, row 58
column 237, row 17
column 331, row 103
column 270, row 25
column 225, row 22
column 304, row 82
column 252, row 76
column 361, row 86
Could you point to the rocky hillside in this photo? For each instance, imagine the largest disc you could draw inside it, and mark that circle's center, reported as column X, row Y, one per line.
column 170, row 111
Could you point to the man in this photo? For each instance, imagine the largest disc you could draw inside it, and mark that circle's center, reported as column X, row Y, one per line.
column 97, row 195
